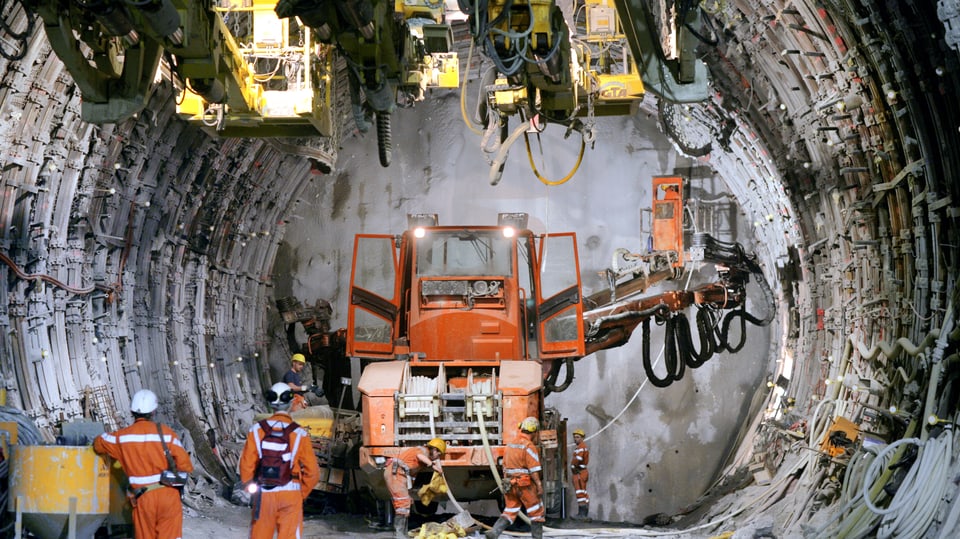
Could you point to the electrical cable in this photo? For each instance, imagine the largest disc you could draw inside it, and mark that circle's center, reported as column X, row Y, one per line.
column 463, row 94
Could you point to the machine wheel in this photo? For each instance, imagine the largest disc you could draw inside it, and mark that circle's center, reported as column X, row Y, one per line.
column 384, row 138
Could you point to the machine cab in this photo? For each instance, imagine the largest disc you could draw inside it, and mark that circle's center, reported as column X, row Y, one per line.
column 465, row 294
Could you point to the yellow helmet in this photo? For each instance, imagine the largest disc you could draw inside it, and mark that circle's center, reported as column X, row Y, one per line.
column 439, row 445
column 298, row 358
column 578, row 432
column 530, row 424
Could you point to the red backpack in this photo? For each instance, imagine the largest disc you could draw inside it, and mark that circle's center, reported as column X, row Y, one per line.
column 273, row 470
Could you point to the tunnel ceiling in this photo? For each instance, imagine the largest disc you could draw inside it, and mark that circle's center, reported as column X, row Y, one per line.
column 141, row 254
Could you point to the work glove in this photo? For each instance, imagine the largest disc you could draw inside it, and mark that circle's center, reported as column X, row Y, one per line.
column 317, row 390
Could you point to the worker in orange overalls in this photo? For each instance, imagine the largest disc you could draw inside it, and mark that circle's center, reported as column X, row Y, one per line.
column 521, row 478
column 581, row 458
column 157, row 512
column 399, row 475
column 280, row 468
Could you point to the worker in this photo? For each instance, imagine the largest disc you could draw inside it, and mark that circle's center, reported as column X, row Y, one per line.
column 280, row 468
column 400, row 472
column 522, row 485
column 146, row 459
column 294, row 379
column 581, row 458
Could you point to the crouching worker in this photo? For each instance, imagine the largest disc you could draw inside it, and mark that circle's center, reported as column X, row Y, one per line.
column 279, row 468
column 399, row 475
column 147, row 451
column 521, row 478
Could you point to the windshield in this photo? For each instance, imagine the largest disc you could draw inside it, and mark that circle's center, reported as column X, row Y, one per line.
column 463, row 253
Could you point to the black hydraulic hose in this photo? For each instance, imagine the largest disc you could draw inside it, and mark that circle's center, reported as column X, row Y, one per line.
column 673, row 353
column 744, row 317
column 549, row 385
column 647, row 365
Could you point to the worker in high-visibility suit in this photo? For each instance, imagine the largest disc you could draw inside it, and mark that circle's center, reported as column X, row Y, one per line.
column 157, row 511
column 278, row 458
column 578, row 465
column 400, row 473
column 522, row 485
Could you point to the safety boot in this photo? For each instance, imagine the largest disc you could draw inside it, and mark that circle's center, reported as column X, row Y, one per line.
column 582, row 511
column 536, row 530
column 400, row 526
column 498, row 527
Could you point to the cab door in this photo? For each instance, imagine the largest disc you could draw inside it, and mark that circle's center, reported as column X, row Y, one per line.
column 559, row 298
column 374, row 297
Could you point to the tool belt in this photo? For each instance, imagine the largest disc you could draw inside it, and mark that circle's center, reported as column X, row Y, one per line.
column 133, row 494
column 400, row 468
column 517, row 481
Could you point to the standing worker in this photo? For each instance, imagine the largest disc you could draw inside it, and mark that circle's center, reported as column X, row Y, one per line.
column 278, row 458
column 521, row 474
column 146, row 456
column 581, row 458
column 399, row 475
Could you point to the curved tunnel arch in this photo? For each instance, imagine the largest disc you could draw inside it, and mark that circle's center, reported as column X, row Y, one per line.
column 842, row 158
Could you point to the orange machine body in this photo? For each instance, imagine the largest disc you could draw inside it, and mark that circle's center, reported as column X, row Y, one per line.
column 455, row 328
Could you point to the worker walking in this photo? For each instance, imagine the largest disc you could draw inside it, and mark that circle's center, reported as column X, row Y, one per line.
column 400, row 472
column 521, row 474
column 581, row 458
column 146, row 450
column 278, row 458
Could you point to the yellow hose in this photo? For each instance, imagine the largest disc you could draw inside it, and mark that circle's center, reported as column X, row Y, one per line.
column 563, row 180
column 486, row 447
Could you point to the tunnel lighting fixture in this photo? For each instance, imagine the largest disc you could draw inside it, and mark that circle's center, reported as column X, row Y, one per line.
column 94, row 340
column 939, row 71
column 44, row 353
column 139, row 363
column 509, row 232
column 238, row 376
column 103, row 358
column 419, row 232
column 239, row 358
column 146, row 203
column 256, row 354
column 517, row 220
column 415, row 220
column 175, row 362
column 210, row 364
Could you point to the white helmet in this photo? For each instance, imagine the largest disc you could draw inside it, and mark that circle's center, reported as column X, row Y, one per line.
column 279, row 396
column 143, row 402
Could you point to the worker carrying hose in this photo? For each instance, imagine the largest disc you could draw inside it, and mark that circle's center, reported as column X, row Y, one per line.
column 578, row 465
column 279, row 463
column 521, row 482
column 399, row 474
column 146, row 460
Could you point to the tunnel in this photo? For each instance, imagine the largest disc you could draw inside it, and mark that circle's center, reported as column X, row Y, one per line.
column 147, row 253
